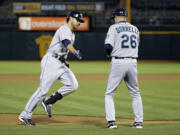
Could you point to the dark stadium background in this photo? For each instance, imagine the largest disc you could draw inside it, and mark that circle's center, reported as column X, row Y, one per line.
column 157, row 20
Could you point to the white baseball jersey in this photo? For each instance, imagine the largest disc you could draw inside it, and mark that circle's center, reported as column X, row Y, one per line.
column 124, row 38
column 56, row 45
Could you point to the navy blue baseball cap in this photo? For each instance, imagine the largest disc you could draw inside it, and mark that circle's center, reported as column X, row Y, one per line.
column 77, row 15
column 119, row 12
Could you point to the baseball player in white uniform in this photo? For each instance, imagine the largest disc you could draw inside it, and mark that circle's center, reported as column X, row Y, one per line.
column 55, row 67
column 121, row 44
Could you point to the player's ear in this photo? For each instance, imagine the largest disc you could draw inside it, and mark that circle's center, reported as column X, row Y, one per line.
column 71, row 18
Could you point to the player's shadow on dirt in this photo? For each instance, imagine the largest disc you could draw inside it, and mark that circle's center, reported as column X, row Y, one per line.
column 46, row 120
column 96, row 123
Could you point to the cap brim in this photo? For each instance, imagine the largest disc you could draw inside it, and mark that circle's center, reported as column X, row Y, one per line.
column 80, row 20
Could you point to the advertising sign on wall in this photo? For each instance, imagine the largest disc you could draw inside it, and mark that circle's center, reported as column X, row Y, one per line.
column 28, row 7
column 47, row 23
column 41, row 7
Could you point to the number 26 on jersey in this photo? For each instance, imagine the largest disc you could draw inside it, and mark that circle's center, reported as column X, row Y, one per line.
column 128, row 41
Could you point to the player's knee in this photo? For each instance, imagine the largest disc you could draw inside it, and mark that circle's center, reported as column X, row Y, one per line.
column 74, row 85
column 107, row 94
column 110, row 92
column 135, row 94
column 43, row 90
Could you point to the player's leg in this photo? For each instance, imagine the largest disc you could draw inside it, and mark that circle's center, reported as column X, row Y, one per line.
column 70, row 85
column 114, row 79
column 47, row 79
column 132, row 84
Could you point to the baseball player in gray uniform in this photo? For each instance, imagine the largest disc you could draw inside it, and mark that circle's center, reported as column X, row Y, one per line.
column 55, row 67
column 121, row 44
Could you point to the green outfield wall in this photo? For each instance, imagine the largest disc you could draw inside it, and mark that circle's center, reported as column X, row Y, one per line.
column 19, row 45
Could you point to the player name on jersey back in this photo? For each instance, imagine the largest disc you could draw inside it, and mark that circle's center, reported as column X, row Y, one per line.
column 126, row 29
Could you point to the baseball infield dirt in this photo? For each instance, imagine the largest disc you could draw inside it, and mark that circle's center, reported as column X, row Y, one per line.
column 12, row 119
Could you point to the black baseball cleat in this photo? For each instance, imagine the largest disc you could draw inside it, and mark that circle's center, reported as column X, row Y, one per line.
column 27, row 121
column 112, row 125
column 137, row 125
column 47, row 108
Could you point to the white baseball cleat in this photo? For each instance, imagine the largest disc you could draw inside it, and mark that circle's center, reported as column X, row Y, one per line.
column 26, row 121
column 112, row 125
column 137, row 125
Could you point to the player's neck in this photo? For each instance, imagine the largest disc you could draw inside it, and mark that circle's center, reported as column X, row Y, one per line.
column 120, row 19
column 71, row 27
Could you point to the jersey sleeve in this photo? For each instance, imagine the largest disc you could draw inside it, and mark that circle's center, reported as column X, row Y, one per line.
column 110, row 36
column 64, row 34
column 66, row 42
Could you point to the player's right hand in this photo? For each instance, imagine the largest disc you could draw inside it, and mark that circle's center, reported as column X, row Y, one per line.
column 78, row 54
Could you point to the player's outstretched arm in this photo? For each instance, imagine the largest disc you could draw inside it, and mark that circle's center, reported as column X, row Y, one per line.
column 74, row 51
column 69, row 46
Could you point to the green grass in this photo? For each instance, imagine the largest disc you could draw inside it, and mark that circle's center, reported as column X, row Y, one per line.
column 158, row 68
column 90, row 130
column 20, row 67
column 160, row 100
column 82, row 67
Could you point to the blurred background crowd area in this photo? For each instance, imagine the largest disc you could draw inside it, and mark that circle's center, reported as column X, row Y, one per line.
column 145, row 14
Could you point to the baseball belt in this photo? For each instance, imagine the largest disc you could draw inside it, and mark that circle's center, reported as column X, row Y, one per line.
column 61, row 58
column 125, row 57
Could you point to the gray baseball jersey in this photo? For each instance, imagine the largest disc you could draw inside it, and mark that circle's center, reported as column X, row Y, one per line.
column 124, row 38
column 61, row 34
column 53, row 69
